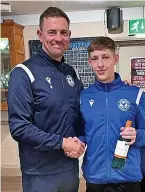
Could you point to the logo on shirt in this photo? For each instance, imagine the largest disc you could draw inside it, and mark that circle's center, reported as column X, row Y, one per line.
column 70, row 80
column 48, row 79
column 123, row 104
column 91, row 102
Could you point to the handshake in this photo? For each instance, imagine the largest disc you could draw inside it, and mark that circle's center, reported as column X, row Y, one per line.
column 73, row 147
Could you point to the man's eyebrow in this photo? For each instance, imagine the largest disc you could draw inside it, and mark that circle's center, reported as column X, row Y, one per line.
column 51, row 29
column 64, row 30
column 57, row 30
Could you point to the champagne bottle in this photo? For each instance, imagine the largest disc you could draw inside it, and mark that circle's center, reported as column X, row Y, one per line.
column 121, row 150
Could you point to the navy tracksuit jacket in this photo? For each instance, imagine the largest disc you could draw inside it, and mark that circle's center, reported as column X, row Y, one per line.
column 43, row 107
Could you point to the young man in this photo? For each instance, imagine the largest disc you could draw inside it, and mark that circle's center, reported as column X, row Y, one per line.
column 44, row 111
column 142, row 150
column 106, row 106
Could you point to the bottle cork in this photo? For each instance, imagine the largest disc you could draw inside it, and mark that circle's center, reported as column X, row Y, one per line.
column 128, row 123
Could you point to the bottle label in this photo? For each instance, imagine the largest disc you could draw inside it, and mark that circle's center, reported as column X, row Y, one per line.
column 121, row 149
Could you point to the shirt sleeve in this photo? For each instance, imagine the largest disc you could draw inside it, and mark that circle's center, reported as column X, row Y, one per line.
column 21, row 111
column 140, row 120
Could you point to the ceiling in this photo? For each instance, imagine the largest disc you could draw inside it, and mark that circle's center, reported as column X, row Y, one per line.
column 37, row 7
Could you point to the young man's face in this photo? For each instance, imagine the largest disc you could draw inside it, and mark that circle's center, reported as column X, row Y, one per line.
column 102, row 62
column 55, row 36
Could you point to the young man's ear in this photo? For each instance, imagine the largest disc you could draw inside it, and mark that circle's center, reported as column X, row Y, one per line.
column 39, row 33
column 116, row 58
column 89, row 61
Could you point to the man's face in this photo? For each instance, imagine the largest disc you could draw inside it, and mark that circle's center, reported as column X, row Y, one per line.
column 54, row 35
column 102, row 62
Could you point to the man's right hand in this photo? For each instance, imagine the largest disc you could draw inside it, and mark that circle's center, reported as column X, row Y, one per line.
column 70, row 145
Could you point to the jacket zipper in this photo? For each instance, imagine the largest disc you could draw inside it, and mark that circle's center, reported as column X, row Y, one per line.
column 107, row 130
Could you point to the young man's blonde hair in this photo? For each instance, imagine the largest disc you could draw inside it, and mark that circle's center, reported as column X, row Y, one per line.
column 101, row 43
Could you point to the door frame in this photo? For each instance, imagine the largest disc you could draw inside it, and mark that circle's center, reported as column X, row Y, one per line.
column 128, row 43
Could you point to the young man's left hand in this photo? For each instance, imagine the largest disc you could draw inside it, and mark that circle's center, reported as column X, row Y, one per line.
column 128, row 133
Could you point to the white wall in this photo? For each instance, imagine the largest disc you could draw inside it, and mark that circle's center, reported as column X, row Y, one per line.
column 79, row 16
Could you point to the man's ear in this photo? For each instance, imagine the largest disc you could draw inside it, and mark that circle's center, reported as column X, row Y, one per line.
column 69, row 33
column 39, row 33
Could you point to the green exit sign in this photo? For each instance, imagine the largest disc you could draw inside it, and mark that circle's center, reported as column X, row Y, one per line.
column 136, row 26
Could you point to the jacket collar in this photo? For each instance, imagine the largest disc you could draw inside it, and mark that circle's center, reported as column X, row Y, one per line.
column 48, row 60
column 109, row 86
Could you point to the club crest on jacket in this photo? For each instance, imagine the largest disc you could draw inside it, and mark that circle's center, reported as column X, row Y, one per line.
column 70, row 80
column 123, row 104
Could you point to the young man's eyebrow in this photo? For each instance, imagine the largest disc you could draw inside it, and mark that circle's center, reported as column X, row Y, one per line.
column 105, row 54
